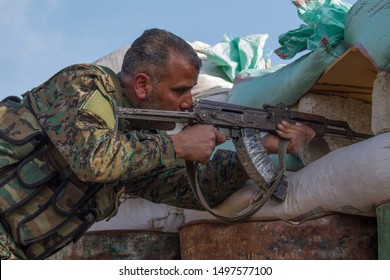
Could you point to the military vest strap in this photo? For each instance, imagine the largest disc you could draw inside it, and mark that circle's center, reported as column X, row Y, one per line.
column 42, row 206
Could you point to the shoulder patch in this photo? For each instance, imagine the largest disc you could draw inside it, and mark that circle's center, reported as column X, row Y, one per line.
column 99, row 105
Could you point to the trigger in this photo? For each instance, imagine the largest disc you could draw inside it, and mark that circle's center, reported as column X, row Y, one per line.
column 228, row 133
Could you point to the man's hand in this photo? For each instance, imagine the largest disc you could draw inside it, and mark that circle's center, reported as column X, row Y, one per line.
column 197, row 142
column 297, row 134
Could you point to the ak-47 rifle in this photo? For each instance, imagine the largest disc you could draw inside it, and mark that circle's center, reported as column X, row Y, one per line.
column 243, row 125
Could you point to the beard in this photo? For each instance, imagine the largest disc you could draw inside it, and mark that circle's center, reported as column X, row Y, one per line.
column 152, row 103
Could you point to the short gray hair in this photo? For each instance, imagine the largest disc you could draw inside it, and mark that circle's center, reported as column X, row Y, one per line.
column 149, row 54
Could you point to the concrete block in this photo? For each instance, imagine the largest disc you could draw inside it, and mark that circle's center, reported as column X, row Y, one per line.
column 354, row 111
column 381, row 104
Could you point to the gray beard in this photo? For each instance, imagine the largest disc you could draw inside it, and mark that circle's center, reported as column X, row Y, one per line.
column 151, row 103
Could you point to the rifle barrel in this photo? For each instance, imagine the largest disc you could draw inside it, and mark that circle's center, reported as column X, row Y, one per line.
column 155, row 115
column 348, row 133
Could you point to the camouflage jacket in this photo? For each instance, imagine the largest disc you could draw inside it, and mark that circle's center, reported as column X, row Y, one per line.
column 74, row 156
column 76, row 110
column 64, row 157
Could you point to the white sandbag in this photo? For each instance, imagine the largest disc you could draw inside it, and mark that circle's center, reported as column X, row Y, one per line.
column 209, row 85
column 351, row 180
column 141, row 214
column 212, row 80
column 114, row 59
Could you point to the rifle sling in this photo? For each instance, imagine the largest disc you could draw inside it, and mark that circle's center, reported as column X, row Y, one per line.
column 282, row 151
column 192, row 168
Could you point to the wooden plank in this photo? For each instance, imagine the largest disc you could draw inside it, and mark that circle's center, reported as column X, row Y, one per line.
column 327, row 238
column 352, row 75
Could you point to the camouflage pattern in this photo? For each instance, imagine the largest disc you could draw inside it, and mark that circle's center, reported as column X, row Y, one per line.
column 17, row 141
column 96, row 151
column 128, row 151
column 218, row 179
column 43, row 210
column 9, row 250
column 83, row 155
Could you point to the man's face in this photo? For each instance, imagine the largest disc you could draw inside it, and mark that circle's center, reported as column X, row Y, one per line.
column 173, row 92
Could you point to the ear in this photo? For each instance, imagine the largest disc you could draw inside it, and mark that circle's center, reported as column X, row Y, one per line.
column 142, row 86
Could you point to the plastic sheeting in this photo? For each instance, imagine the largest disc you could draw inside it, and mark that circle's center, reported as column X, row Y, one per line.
column 324, row 26
column 322, row 34
column 239, row 54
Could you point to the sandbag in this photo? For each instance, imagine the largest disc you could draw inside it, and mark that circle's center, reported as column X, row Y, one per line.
column 367, row 26
column 114, row 59
column 287, row 84
column 141, row 214
column 322, row 34
column 352, row 180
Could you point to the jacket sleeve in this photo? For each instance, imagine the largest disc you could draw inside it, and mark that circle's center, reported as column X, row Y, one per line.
column 76, row 110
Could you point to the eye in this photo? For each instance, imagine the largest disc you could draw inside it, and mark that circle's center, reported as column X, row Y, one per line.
column 182, row 91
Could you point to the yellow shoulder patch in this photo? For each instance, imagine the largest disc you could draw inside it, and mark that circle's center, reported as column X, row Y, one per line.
column 99, row 105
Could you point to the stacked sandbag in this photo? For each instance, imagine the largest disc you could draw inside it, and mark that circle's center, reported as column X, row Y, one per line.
column 114, row 59
column 321, row 34
column 349, row 177
column 367, row 26
column 212, row 81
column 351, row 180
column 287, row 84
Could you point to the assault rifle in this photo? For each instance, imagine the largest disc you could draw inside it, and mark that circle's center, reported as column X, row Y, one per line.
column 242, row 124
column 235, row 117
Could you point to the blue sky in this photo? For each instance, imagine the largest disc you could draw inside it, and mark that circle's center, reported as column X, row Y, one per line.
column 40, row 37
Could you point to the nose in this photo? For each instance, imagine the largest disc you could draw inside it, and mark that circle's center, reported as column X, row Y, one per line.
column 187, row 102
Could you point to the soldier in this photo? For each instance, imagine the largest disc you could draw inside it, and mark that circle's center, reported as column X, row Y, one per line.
column 66, row 159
